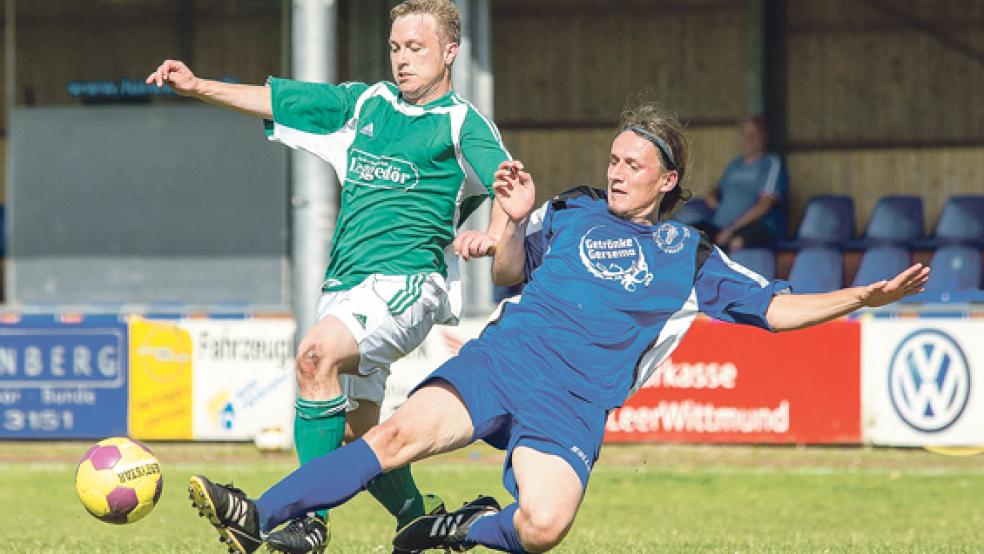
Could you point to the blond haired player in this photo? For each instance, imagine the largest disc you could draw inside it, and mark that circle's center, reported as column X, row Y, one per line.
column 414, row 159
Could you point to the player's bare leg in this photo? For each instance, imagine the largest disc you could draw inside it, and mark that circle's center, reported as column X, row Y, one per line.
column 550, row 493
column 319, row 424
column 327, row 350
column 396, row 490
column 433, row 420
column 360, row 420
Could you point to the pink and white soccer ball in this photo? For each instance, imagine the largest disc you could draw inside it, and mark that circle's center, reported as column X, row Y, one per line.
column 119, row 480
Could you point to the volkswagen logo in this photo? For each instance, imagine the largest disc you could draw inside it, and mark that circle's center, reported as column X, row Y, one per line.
column 929, row 380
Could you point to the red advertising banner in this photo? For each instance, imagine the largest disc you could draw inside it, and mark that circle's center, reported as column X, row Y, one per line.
column 737, row 384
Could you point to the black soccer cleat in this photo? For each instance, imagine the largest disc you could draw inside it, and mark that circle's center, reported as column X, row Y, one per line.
column 300, row 536
column 433, row 505
column 227, row 508
column 447, row 531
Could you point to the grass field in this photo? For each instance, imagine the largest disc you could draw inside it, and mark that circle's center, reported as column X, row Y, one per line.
column 642, row 499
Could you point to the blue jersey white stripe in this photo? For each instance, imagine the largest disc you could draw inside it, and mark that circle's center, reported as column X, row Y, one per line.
column 607, row 300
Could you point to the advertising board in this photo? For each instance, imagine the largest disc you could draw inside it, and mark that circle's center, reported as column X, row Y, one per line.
column 63, row 376
column 729, row 383
column 921, row 381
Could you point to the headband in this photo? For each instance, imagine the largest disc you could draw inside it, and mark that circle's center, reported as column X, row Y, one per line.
column 660, row 144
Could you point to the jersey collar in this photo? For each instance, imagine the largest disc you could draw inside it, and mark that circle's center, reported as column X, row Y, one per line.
column 447, row 99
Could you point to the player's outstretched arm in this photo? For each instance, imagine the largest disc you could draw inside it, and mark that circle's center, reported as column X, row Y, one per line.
column 252, row 100
column 515, row 193
column 796, row 311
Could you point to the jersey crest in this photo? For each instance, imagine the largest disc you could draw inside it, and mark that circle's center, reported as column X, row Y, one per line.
column 616, row 258
column 671, row 238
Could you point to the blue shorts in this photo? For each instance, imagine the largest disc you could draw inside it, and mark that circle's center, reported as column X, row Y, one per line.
column 509, row 407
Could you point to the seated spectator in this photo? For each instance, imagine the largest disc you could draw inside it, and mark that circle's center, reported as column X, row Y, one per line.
column 749, row 200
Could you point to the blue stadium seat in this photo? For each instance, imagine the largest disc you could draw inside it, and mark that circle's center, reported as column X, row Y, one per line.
column 693, row 212
column 827, row 221
column 895, row 220
column 955, row 276
column 960, row 222
column 759, row 260
column 881, row 262
column 817, row 269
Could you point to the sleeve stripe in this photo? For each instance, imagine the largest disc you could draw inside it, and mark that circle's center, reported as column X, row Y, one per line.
column 772, row 181
column 491, row 126
column 738, row 268
column 488, row 122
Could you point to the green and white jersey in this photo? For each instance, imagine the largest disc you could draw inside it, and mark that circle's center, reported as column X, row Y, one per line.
column 410, row 174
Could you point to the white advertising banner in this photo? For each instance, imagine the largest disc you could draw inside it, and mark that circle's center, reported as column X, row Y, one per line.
column 922, row 382
column 243, row 381
column 441, row 343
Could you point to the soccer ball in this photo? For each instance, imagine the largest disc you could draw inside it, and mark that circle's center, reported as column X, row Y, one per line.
column 119, row 480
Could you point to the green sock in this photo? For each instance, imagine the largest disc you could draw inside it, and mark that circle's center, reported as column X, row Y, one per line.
column 398, row 493
column 319, row 426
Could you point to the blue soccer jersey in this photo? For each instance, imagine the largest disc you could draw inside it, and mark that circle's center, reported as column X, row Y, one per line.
column 607, row 299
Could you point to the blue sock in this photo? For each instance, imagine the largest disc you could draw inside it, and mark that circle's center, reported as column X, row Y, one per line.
column 497, row 531
column 323, row 482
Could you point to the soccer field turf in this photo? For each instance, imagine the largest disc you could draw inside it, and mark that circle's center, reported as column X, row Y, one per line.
column 641, row 499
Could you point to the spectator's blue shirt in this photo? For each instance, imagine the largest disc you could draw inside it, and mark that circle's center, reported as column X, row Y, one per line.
column 743, row 183
column 608, row 299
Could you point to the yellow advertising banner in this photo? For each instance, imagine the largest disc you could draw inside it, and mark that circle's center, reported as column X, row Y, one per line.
column 160, row 380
